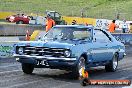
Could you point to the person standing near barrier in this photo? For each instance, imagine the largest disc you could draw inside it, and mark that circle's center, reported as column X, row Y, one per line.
column 49, row 22
column 112, row 27
column 125, row 28
column 74, row 22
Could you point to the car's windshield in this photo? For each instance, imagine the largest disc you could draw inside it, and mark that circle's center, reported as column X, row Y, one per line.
column 65, row 33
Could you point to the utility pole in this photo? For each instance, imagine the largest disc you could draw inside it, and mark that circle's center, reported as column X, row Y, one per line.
column 118, row 16
column 82, row 12
column 86, row 8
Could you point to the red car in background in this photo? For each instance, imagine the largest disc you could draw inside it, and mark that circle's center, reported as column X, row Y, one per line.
column 19, row 19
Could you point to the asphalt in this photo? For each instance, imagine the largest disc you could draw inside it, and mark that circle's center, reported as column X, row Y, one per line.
column 11, row 75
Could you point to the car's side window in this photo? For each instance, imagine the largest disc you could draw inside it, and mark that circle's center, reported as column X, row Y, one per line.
column 57, row 15
column 100, row 36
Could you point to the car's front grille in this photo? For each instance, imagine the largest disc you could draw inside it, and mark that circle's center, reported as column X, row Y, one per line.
column 43, row 51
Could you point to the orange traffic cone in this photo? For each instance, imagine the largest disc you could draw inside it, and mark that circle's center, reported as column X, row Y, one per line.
column 27, row 38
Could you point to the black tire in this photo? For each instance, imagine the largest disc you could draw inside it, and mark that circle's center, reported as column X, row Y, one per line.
column 19, row 22
column 27, row 68
column 81, row 63
column 85, row 82
column 112, row 66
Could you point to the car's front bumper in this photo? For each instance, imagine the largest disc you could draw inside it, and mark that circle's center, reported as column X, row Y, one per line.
column 53, row 62
column 44, row 57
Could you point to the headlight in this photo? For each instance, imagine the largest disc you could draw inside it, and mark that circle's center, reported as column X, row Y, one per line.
column 67, row 53
column 20, row 50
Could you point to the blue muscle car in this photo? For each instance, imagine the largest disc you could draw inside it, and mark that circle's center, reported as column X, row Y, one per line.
column 71, row 47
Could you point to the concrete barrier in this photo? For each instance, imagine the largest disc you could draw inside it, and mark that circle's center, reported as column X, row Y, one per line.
column 2, row 39
column 18, row 29
column 125, row 38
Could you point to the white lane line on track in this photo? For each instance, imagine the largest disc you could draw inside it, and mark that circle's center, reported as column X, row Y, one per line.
column 14, row 78
column 9, row 71
column 64, row 85
column 10, row 65
column 124, row 69
column 21, row 84
column 105, row 75
column 125, row 77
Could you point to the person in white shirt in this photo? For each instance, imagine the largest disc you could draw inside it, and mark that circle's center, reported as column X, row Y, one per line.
column 125, row 27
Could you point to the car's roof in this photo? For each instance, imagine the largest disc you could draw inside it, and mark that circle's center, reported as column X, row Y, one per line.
column 76, row 26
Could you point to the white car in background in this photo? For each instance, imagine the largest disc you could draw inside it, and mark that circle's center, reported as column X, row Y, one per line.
column 39, row 20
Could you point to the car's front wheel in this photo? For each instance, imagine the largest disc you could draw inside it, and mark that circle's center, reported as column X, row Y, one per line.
column 112, row 66
column 81, row 65
column 27, row 68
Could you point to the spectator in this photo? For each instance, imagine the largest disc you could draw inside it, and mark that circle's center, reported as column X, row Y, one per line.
column 125, row 28
column 74, row 22
column 112, row 27
column 86, row 24
column 22, row 15
column 49, row 23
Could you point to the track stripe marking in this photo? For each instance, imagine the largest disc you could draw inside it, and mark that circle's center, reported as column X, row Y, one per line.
column 10, row 66
column 21, row 84
column 9, row 71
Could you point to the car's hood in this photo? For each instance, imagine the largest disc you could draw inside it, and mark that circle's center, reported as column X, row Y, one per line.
column 51, row 44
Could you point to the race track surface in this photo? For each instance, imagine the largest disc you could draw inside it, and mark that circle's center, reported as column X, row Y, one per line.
column 11, row 75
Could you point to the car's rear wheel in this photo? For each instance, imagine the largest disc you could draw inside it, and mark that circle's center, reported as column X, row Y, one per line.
column 27, row 68
column 112, row 66
column 81, row 65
